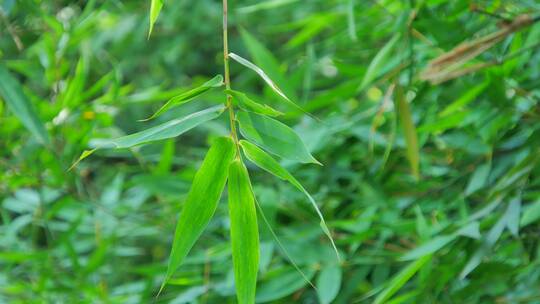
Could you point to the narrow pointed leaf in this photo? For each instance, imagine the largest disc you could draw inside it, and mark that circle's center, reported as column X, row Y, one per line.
column 268, row 81
column 155, row 8
column 244, row 233
column 264, row 59
column 170, row 129
column 401, row 279
column 247, row 104
column 261, row 73
column 409, row 130
column 17, row 102
column 215, row 82
column 429, row 247
column 374, row 68
column 274, row 137
column 201, row 201
column 269, row 164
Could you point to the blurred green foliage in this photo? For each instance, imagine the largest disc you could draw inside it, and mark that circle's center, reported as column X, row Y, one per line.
column 465, row 230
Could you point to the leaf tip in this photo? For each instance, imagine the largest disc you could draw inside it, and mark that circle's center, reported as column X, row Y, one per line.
column 84, row 155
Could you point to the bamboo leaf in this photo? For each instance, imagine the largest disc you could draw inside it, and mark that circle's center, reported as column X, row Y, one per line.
column 215, row 82
column 328, row 283
column 429, row 247
column 201, row 201
column 244, row 233
column 17, row 102
column 274, row 136
column 261, row 73
column 409, row 130
column 155, row 9
column 264, row 59
column 374, row 68
column 269, row 164
column 465, row 99
column 400, row 279
column 247, row 104
column 269, row 82
column 169, row 129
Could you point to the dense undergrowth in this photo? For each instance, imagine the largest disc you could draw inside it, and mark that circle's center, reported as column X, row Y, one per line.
column 430, row 190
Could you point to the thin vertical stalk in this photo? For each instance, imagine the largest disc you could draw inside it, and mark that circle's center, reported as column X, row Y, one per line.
column 229, row 103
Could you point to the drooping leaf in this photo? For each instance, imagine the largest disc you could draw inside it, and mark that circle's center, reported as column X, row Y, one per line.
column 155, row 9
column 374, row 68
column 269, row 164
column 274, row 136
column 215, row 82
column 201, row 201
column 400, row 279
column 170, row 129
column 17, row 102
column 264, row 59
column 244, row 232
column 269, row 82
column 328, row 283
column 280, row 244
column 409, row 130
column 247, row 104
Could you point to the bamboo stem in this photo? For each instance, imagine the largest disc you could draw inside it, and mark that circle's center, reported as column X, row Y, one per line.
column 227, row 77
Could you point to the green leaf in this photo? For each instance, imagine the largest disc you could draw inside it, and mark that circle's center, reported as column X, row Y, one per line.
column 328, row 283
column 409, row 130
column 282, row 285
column 244, row 233
column 269, row 82
column 155, row 8
column 374, row 68
column 512, row 216
column 274, row 136
column 478, row 179
column 465, row 99
column 429, row 247
column 215, row 82
column 17, row 102
column 264, row 59
column 170, row 129
column 201, row 201
column 247, row 104
column 531, row 214
column 400, row 279
column 269, row 164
